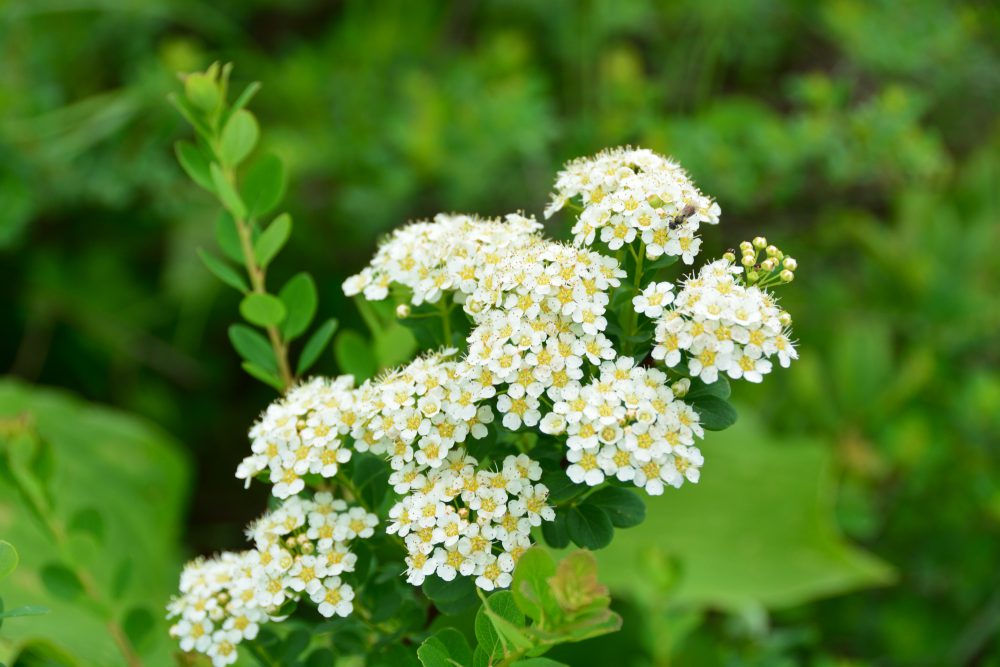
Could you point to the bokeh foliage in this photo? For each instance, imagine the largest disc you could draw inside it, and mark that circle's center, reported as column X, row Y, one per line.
column 862, row 135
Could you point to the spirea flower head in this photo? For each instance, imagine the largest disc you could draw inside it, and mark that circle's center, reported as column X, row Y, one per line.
column 302, row 433
column 462, row 520
column 628, row 194
column 302, row 549
column 723, row 325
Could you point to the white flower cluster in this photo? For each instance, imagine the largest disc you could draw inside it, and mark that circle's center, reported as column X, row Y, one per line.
column 635, row 193
column 627, row 424
column 432, row 258
column 302, row 548
column 302, row 433
column 724, row 326
column 416, row 415
column 460, row 520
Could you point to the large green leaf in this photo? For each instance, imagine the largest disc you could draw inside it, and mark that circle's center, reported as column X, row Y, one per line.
column 758, row 529
column 134, row 477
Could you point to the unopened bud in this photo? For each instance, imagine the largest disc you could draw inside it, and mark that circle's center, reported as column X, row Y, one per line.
column 785, row 318
column 746, row 247
column 729, row 257
column 752, row 276
column 760, row 242
column 787, row 276
column 772, row 251
column 403, row 311
column 791, row 264
column 768, row 265
column 749, row 260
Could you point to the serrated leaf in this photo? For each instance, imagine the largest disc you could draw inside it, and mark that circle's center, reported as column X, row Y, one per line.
column 227, row 193
column 354, row 355
column 716, row 414
column 530, row 587
column 299, row 297
column 264, row 185
column 589, row 526
column 315, row 345
column 445, row 648
column 223, row 271
column 239, row 137
column 272, row 240
column 265, row 310
column 575, row 585
column 8, row 559
column 624, row 507
column 195, row 164
column 252, row 346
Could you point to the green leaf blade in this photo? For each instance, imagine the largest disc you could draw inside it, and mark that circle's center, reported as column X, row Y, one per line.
column 264, row 310
column 272, row 240
column 314, row 347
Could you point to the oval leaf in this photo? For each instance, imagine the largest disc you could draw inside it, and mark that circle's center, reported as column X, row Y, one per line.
column 589, row 526
column 227, row 193
column 624, row 507
column 8, row 559
column 61, row 582
column 299, row 297
column 354, row 355
column 253, row 347
column 273, row 239
column 264, row 185
column 265, row 310
column 239, row 136
column 716, row 414
column 195, row 164
column 315, row 346
column 223, row 271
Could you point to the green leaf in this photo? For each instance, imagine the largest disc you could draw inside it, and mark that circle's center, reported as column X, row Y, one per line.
column 239, row 136
column 321, row 657
column 720, row 388
column 354, row 355
column 202, row 91
column 575, row 586
column 90, row 522
column 530, row 586
column 8, row 559
column 393, row 346
column 299, row 297
column 265, row 310
column 245, row 97
column 227, row 193
column 445, row 648
column 624, row 507
column 555, row 532
column 499, row 623
column 315, row 345
column 264, row 376
column 195, row 164
column 223, row 271
column 264, row 185
column 538, row 662
column 228, row 238
column 740, row 542
column 589, row 526
column 451, row 597
column 716, row 414
column 61, row 582
column 134, row 475
column 138, row 626
column 253, row 347
column 272, row 240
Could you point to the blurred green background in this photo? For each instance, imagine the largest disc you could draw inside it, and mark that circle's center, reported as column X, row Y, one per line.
column 851, row 518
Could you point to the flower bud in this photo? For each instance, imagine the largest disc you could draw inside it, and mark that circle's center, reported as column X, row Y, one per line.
column 752, row 276
column 681, row 387
column 768, row 265
column 791, row 264
column 746, row 247
column 785, row 318
column 760, row 242
column 403, row 311
column 729, row 257
column 749, row 260
column 772, row 251
column 787, row 276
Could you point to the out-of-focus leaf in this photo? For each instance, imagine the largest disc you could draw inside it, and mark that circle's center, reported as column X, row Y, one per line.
column 253, row 347
column 223, row 271
column 195, row 164
column 756, row 530
column 264, row 310
column 354, row 355
column 264, row 186
column 239, row 136
column 273, row 239
column 134, row 476
column 8, row 559
column 227, row 193
column 299, row 297
column 315, row 345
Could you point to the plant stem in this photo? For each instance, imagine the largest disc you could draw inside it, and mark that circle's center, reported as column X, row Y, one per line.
column 446, row 321
column 633, row 313
column 257, row 282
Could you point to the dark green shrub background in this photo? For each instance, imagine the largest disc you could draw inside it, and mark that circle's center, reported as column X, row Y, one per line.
column 862, row 137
